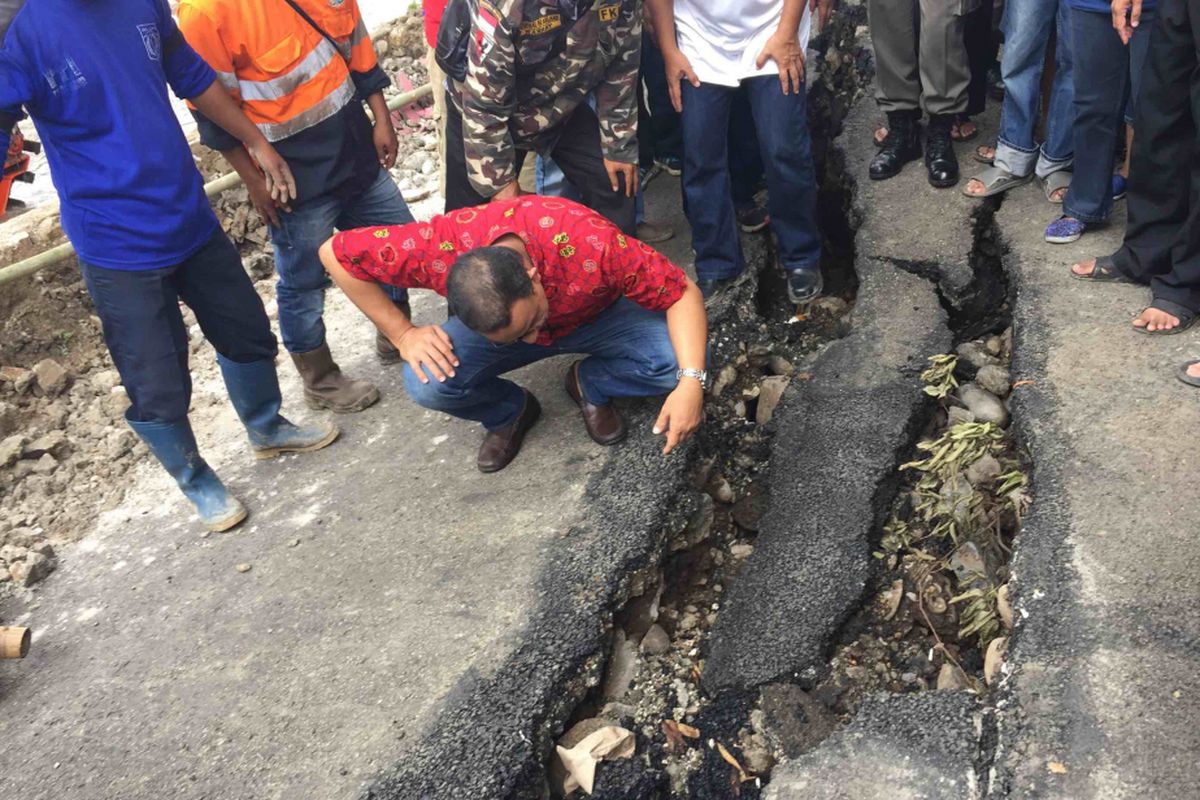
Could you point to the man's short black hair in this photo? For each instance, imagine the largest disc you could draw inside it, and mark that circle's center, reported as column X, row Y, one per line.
column 482, row 286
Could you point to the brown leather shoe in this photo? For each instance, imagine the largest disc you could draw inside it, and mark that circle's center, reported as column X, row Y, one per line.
column 326, row 387
column 500, row 447
column 384, row 349
column 603, row 423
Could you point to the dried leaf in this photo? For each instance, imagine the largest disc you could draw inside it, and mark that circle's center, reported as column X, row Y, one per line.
column 1004, row 607
column 993, row 659
column 689, row 731
column 1057, row 767
column 892, row 598
column 670, row 729
column 1023, row 383
column 743, row 776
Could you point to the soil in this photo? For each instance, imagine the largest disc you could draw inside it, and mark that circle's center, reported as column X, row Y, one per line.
column 50, row 317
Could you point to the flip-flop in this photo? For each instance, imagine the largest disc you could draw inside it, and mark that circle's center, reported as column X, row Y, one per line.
column 1182, row 373
column 978, row 155
column 1103, row 271
column 996, row 180
column 1055, row 181
column 1185, row 315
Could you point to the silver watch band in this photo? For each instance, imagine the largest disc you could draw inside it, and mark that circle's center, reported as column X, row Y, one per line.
column 699, row 374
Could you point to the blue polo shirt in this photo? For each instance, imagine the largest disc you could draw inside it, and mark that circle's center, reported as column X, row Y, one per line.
column 93, row 76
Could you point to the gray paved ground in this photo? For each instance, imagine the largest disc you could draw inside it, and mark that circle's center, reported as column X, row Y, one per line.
column 159, row 670
column 1108, row 564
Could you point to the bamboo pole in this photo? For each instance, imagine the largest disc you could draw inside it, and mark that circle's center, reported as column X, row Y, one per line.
column 33, row 264
column 14, row 642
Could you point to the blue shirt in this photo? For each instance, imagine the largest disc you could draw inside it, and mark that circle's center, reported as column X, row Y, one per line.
column 93, row 75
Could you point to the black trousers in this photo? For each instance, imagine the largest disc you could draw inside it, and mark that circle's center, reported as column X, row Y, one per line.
column 980, row 40
column 1162, row 238
column 144, row 330
column 577, row 153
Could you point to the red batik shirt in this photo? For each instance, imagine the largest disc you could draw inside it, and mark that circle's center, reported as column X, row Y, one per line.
column 585, row 262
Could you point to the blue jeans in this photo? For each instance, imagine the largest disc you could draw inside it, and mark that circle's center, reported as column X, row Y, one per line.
column 783, row 139
column 1027, row 25
column 1106, row 71
column 629, row 355
column 145, row 334
column 302, row 279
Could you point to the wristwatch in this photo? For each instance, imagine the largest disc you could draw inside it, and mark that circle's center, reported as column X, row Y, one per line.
column 699, row 374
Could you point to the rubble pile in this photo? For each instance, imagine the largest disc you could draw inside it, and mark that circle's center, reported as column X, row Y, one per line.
column 64, row 445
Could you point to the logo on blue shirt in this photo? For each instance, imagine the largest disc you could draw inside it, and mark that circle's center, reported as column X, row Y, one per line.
column 151, row 40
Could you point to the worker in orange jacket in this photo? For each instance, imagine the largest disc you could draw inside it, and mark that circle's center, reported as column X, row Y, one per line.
column 300, row 70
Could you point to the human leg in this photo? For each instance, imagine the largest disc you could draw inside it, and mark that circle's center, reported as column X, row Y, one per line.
column 782, row 124
column 1158, row 199
column 301, row 296
column 230, row 313
column 707, row 187
column 1057, row 151
column 144, row 331
column 459, row 191
column 577, row 152
column 1100, row 74
column 1027, row 25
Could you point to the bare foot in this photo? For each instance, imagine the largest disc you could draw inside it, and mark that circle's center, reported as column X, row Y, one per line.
column 964, row 131
column 1153, row 320
column 1058, row 195
column 880, row 134
column 1084, row 268
column 1193, row 371
column 975, row 187
column 985, row 152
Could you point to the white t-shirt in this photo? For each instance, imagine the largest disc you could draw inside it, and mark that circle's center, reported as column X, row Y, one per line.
column 722, row 38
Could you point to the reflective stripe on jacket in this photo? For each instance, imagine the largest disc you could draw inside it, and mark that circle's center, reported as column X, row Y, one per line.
column 286, row 75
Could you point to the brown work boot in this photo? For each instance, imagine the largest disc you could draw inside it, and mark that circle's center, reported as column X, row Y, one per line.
column 603, row 423
column 500, row 447
column 384, row 349
column 326, row 387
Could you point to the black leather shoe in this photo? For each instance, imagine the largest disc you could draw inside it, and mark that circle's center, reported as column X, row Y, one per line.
column 940, row 161
column 710, row 289
column 902, row 145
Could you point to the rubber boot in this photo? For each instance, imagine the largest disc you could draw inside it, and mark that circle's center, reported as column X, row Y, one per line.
column 326, row 387
column 384, row 349
column 174, row 445
column 254, row 391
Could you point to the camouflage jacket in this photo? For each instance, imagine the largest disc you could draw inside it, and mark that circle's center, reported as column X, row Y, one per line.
column 507, row 106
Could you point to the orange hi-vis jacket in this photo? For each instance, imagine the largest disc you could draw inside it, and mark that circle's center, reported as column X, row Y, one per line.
column 286, row 75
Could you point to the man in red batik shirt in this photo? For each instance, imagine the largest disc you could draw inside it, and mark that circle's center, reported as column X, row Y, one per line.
column 527, row 279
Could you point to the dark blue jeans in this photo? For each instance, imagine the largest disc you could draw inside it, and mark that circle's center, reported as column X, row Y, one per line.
column 1105, row 71
column 783, row 139
column 144, row 331
column 745, row 161
column 630, row 355
column 302, row 278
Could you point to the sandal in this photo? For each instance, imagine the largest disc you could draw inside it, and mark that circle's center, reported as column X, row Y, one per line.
column 1182, row 373
column 1056, row 181
column 979, row 155
column 1184, row 314
column 996, row 181
column 956, row 130
column 1103, row 271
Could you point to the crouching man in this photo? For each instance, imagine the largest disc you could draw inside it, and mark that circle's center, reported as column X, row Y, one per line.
column 528, row 279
